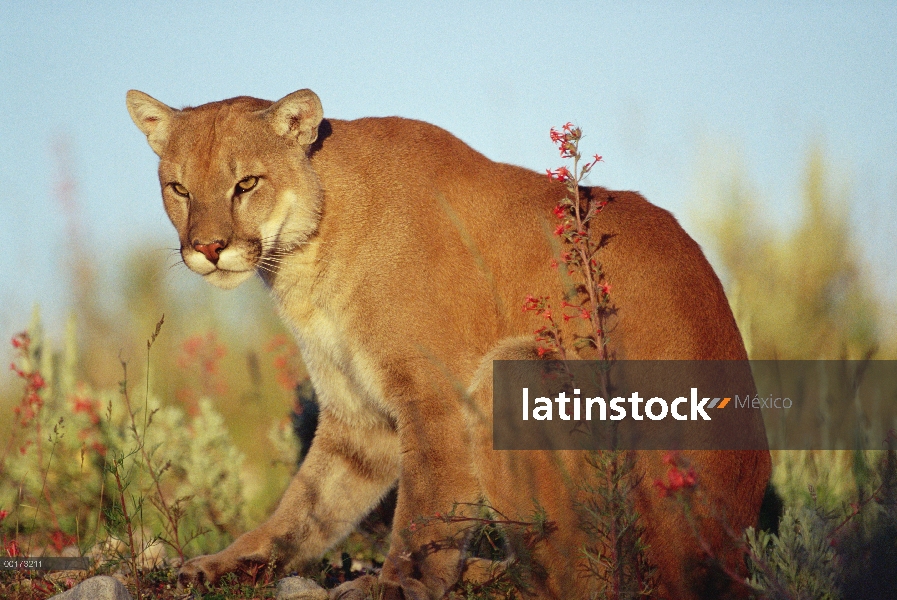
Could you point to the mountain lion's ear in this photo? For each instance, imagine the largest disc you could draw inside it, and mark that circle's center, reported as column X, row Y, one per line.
column 152, row 118
column 297, row 115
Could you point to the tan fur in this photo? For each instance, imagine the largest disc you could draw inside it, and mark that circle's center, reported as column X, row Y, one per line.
column 400, row 258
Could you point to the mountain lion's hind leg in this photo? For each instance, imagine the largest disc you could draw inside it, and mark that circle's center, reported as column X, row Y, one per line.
column 347, row 471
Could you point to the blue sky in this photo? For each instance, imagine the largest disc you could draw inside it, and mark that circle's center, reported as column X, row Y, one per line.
column 659, row 88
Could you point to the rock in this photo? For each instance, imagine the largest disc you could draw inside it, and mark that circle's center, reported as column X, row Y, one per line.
column 299, row 588
column 97, row 588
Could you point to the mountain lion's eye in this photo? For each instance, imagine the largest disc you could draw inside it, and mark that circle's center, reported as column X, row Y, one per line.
column 180, row 190
column 246, row 184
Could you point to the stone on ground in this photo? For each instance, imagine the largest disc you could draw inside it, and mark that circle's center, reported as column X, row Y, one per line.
column 300, row 588
column 102, row 587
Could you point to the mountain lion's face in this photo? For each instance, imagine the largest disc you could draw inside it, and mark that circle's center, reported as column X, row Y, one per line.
column 236, row 180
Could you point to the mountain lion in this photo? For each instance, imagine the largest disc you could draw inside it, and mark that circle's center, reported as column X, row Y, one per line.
column 400, row 258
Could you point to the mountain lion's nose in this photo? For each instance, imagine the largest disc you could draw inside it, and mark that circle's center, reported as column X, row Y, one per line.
column 211, row 251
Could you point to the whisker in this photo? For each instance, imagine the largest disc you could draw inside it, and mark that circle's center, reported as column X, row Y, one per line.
column 178, row 264
column 284, row 258
column 282, row 234
column 266, row 269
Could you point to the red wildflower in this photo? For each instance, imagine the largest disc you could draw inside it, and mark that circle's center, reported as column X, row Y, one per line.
column 21, row 340
column 99, row 448
column 560, row 174
column 678, row 480
column 531, row 303
column 44, row 587
column 60, row 540
column 3, row 515
column 562, row 229
column 275, row 342
column 87, row 406
column 82, row 405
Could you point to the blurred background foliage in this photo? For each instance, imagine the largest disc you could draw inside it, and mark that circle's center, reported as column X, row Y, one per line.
column 228, row 346
column 799, row 292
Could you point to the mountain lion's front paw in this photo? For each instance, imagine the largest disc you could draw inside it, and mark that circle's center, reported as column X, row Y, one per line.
column 203, row 571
